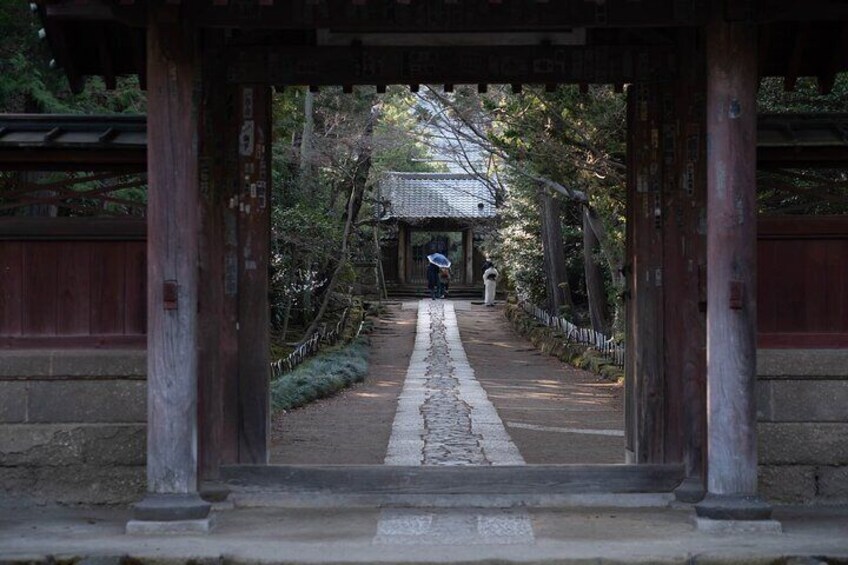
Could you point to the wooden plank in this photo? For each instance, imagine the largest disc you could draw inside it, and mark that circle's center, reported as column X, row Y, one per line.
column 647, row 261
column 39, row 289
column 254, row 124
column 374, row 65
column 731, row 260
column 218, row 341
column 484, row 480
column 796, row 227
column 172, row 255
column 135, row 288
column 806, row 340
column 465, row 16
column 73, row 342
column 684, row 258
column 53, row 229
column 107, row 288
column 11, row 287
column 73, row 288
column 768, row 285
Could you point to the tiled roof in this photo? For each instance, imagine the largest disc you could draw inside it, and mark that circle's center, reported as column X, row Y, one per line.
column 436, row 195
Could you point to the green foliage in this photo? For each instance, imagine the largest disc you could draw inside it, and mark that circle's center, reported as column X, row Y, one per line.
column 27, row 84
column 320, row 377
column 802, row 191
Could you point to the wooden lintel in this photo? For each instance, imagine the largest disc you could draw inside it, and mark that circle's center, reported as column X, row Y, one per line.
column 323, row 66
column 802, row 39
column 52, row 134
column 106, row 62
column 443, row 16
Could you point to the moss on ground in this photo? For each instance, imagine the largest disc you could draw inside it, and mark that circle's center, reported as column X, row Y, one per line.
column 551, row 342
column 328, row 373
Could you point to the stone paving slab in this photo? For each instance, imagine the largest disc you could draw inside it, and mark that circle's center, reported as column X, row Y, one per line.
column 335, row 536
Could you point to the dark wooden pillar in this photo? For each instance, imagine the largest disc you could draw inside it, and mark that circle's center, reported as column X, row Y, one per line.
column 403, row 256
column 645, row 410
column 731, row 271
column 217, row 308
column 253, row 108
column 173, row 74
column 468, row 253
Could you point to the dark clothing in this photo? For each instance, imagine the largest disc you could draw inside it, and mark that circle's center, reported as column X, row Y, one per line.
column 432, row 276
column 487, row 264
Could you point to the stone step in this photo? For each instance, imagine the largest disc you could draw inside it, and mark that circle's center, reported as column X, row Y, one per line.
column 451, row 486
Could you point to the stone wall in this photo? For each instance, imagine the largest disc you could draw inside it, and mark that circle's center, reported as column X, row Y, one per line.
column 72, row 426
column 802, row 409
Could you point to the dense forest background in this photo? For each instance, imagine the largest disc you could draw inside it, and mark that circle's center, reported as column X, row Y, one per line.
column 554, row 163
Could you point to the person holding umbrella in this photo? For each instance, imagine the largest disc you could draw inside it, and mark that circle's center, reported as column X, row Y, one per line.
column 437, row 263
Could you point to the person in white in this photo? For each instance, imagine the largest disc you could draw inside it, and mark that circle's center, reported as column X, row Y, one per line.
column 490, row 282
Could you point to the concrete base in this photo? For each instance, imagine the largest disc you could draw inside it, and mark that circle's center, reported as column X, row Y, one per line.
column 733, row 507
column 171, row 527
column 171, row 507
column 690, row 491
column 730, row 527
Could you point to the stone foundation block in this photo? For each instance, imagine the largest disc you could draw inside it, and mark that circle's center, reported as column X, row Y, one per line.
column 787, row 483
column 802, row 400
column 55, row 445
column 803, row 443
column 40, row 445
column 833, row 482
column 122, row 401
column 13, row 402
column 74, row 484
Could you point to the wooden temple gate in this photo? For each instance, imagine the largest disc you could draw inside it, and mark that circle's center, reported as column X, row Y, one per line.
column 693, row 67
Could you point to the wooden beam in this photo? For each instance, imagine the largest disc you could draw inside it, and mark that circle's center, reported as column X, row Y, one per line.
column 802, row 38
column 172, row 256
column 322, row 66
column 684, row 261
column 254, row 202
column 419, row 16
column 217, row 305
column 645, row 222
column 731, row 273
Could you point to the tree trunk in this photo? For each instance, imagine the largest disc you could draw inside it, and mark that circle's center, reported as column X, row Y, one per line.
column 594, row 276
column 558, row 291
column 354, row 204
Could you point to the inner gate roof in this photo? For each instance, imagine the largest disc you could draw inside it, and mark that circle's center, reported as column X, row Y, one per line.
column 416, row 196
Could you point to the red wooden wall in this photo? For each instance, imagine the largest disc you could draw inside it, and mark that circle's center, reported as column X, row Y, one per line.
column 72, row 282
column 802, row 287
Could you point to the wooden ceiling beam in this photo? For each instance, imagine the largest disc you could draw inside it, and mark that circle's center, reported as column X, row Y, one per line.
column 328, row 66
column 802, row 37
column 835, row 62
column 421, row 16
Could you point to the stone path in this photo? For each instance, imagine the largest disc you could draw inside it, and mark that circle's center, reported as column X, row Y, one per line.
column 444, row 417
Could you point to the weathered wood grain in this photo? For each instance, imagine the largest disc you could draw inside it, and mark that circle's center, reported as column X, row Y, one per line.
column 254, row 236
column 172, row 255
column 524, row 479
column 731, row 257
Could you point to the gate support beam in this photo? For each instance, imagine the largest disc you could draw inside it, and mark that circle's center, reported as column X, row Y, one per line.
column 731, row 274
column 254, row 228
column 172, row 502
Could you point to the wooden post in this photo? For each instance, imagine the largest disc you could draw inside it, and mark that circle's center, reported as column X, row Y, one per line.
column 403, row 237
column 172, row 273
column 731, row 273
column 468, row 250
column 684, row 263
column 254, row 228
column 645, row 380
column 217, row 308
